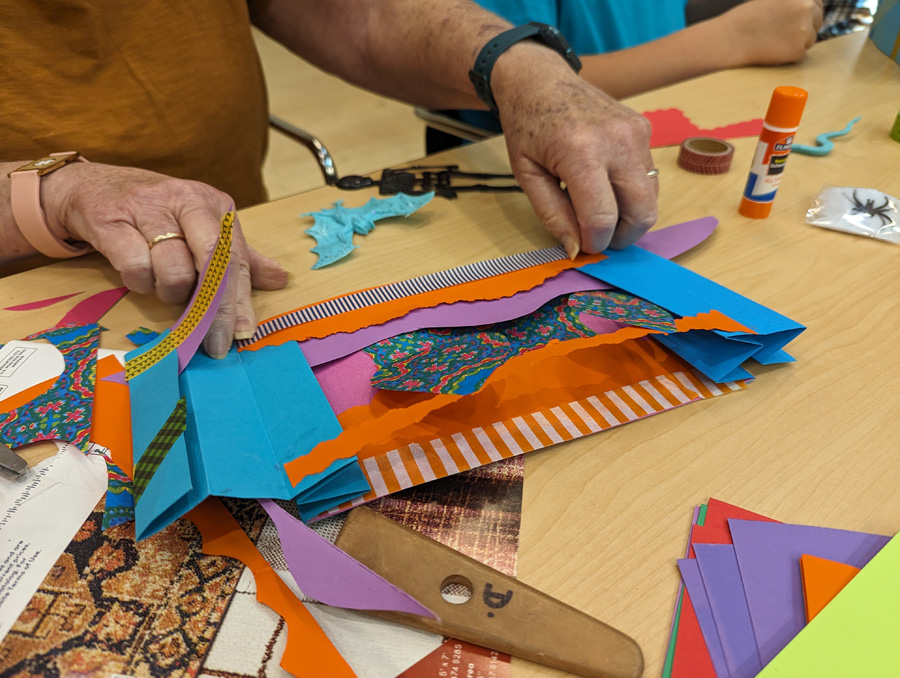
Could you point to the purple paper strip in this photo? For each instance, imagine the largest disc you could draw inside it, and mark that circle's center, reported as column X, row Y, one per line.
column 187, row 348
column 693, row 582
column 324, row 572
column 722, row 581
column 768, row 555
column 667, row 242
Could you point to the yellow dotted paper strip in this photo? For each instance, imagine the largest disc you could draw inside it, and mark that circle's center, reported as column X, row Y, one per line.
column 209, row 286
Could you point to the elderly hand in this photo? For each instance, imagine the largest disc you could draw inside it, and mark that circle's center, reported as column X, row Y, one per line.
column 120, row 210
column 558, row 129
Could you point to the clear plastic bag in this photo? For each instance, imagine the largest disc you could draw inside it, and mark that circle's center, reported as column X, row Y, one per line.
column 862, row 211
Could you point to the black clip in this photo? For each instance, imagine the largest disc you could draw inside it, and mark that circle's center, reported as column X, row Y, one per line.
column 432, row 178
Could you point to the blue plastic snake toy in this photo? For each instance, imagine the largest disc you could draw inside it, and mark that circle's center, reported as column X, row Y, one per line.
column 825, row 144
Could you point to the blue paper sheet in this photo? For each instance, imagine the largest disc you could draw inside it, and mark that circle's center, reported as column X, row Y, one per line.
column 247, row 415
column 718, row 355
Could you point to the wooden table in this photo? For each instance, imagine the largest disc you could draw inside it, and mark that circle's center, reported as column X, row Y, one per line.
column 606, row 516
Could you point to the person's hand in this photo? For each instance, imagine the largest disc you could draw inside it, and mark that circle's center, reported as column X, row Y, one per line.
column 119, row 210
column 772, row 32
column 558, row 129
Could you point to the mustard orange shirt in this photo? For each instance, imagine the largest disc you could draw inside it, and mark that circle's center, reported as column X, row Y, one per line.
column 174, row 87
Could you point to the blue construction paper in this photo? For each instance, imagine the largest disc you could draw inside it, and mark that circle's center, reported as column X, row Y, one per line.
column 768, row 555
column 693, row 582
column 334, row 227
column 141, row 336
column 722, row 581
column 247, row 414
column 685, row 293
column 886, row 26
column 154, row 393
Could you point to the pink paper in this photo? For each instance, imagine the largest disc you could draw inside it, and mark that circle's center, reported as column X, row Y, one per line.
column 671, row 126
column 667, row 242
column 93, row 308
column 324, row 572
column 43, row 303
column 346, row 382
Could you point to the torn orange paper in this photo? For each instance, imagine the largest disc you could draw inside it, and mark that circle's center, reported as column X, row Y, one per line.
column 496, row 287
column 309, row 652
column 111, row 424
column 558, row 372
column 822, row 580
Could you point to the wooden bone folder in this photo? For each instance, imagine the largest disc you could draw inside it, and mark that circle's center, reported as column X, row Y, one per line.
column 502, row 613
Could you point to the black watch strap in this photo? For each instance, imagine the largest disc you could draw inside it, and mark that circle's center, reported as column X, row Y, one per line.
column 480, row 75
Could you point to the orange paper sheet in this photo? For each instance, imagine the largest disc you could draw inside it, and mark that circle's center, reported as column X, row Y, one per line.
column 822, row 580
column 309, row 652
column 111, row 425
column 541, row 378
column 24, row 397
column 497, row 287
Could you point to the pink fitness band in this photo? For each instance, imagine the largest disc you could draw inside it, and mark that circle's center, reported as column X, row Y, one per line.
column 25, row 196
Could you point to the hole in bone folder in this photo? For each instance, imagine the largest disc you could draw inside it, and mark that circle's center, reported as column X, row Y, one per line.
column 456, row 589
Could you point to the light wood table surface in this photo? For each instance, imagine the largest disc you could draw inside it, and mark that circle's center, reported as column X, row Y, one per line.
column 605, row 517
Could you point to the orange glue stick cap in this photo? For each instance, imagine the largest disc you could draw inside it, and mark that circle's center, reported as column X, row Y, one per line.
column 786, row 107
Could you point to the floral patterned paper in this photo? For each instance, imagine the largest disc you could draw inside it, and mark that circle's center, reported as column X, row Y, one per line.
column 459, row 360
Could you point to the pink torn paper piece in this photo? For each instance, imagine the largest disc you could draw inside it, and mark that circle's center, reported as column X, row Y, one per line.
column 671, row 126
column 92, row 309
column 667, row 242
column 42, row 303
column 324, row 572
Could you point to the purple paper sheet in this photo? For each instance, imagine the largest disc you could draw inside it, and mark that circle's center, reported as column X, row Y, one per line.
column 768, row 555
column 116, row 378
column 722, row 581
column 324, row 572
column 693, row 582
column 667, row 242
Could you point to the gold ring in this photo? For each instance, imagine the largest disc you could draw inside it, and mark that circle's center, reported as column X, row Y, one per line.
column 653, row 173
column 165, row 236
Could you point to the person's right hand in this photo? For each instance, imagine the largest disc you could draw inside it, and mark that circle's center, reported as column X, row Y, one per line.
column 120, row 210
column 772, row 32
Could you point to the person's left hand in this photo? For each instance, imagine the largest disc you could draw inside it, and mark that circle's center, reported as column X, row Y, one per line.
column 558, row 129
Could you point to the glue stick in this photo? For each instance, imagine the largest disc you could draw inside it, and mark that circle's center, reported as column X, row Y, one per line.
column 772, row 150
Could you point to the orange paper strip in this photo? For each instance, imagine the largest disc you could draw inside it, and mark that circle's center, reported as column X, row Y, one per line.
column 111, row 424
column 395, row 417
column 309, row 652
column 822, row 580
column 497, row 287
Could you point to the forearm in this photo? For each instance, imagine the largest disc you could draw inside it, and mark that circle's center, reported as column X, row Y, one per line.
column 700, row 49
column 419, row 51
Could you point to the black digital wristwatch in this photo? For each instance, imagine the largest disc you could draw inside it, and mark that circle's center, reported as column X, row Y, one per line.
column 480, row 75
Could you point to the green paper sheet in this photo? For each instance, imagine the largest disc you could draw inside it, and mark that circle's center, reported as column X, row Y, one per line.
column 856, row 634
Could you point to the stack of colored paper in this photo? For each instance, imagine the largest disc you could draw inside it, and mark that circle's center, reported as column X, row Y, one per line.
column 759, row 597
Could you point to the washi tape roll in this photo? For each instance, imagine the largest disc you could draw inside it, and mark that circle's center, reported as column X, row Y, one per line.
column 704, row 155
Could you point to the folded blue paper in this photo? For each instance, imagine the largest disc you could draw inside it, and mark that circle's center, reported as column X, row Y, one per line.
column 718, row 355
column 247, row 415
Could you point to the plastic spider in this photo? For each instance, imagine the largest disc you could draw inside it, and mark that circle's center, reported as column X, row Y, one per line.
column 870, row 210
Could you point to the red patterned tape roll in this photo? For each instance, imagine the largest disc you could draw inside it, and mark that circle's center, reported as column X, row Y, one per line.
column 704, row 155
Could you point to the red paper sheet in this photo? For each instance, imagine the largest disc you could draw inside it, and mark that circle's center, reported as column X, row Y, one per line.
column 671, row 126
